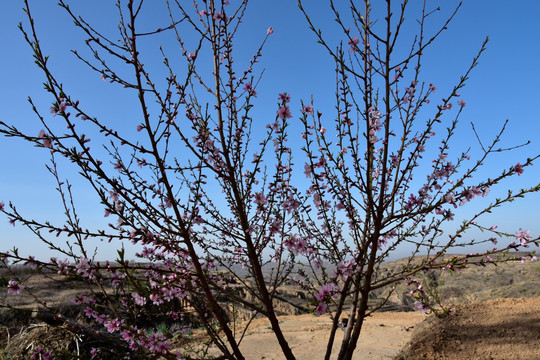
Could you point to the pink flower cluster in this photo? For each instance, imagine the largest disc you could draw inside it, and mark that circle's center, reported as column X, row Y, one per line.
column 156, row 342
column 14, row 288
column 250, row 90
column 374, row 124
column 84, row 269
column 523, row 236
column 346, row 269
column 326, row 291
column 518, row 168
column 284, row 112
column 47, row 141
column 60, row 107
column 422, row 299
column 298, row 245
column 354, row 41
column 41, row 354
column 113, row 325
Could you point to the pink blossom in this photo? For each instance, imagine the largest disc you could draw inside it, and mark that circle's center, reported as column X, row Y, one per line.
column 307, row 170
column 321, row 162
column 269, row 31
column 112, row 325
column 63, row 266
column 192, row 55
column 202, row 12
column 14, row 288
column 2, row 206
column 260, row 199
column 298, row 245
column 321, row 309
column 47, row 141
column 326, row 290
column 83, row 267
column 83, row 300
column 523, row 236
column 307, row 109
column 317, row 200
column 284, row 112
column 354, row 42
column 249, row 88
column 40, row 354
column 275, row 227
column 518, row 168
column 284, row 97
column 346, row 268
column 31, row 263
column 156, row 299
column 89, row 312
column 290, row 204
column 95, row 352
column 397, row 73
column 157, row 343
column 167, row 202
column 423, row 309
column 218, row 16
column 461, row 103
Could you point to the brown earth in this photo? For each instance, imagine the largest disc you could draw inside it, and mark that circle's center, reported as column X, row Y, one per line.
column 382, row 336
column 496, row 329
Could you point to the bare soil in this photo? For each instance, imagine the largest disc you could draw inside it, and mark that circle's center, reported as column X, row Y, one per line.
column 382, row 336
column 496, row 329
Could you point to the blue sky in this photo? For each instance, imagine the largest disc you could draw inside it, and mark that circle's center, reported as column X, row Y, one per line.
column 503, row 86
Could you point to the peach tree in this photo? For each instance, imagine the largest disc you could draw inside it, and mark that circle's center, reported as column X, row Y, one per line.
column 222, row 216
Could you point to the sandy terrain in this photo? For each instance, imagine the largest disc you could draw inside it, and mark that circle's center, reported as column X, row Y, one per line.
column 497, row 329
column 502, row 329
column 382, row 337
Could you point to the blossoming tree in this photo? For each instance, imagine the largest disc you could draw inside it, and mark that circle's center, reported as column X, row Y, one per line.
column 375, row 187
column 211, row 196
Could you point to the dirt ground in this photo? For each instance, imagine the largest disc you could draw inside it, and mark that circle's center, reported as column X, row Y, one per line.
column 382, row 336
column 497, row 329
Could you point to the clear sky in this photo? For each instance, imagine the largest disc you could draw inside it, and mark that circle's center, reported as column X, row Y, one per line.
column 504, row 86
